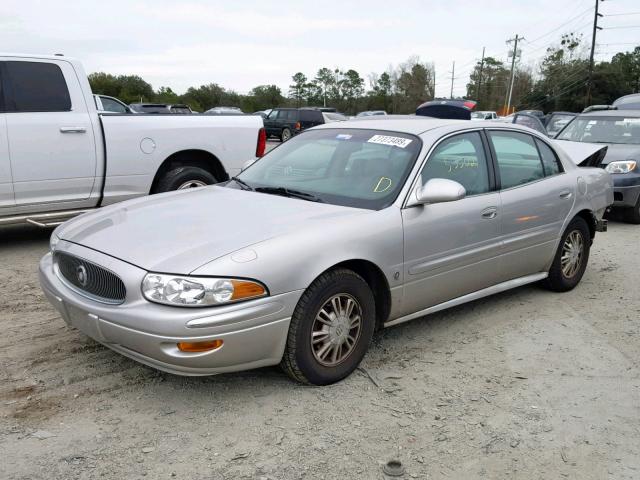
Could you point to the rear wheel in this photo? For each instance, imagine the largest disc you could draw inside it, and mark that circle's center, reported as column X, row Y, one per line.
column 182, row 178
column 285, row 135
column 571, row 258
column 331, row 329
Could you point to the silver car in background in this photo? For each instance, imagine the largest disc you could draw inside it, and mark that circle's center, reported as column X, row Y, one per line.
column 346, row 228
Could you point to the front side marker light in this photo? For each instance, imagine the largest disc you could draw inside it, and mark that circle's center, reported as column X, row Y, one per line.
column 198, row 347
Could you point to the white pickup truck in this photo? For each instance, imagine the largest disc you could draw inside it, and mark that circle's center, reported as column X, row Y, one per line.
column 59, row 157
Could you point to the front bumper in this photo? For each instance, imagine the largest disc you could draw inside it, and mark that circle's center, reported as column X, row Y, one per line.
column 626, row 189
column 254, row 332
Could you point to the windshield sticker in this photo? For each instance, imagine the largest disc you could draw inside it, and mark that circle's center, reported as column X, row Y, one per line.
column 389, row 140
column 343, row 136
column 383, row 184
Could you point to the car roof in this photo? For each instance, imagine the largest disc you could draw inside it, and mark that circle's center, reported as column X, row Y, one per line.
column 612, row 113
column 415, row 124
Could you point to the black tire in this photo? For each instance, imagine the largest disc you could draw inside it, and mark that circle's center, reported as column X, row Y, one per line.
column 558, row 280
column 181, row 176
column 299, row 360
column 285, row 135
column 632, row 214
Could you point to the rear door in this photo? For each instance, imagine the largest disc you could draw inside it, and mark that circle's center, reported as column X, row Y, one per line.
column 6, row 185
column 536, row 200
column 51, row 142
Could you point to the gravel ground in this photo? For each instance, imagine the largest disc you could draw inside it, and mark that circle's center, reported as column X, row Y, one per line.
column 526, row 384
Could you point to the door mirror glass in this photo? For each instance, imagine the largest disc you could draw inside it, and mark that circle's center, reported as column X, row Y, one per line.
column 437, row 190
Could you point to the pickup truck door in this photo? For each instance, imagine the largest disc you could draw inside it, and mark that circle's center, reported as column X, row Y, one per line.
column 6, row 186
column 51, row 139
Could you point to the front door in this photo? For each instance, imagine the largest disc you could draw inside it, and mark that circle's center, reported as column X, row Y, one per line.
column 452, row 249
column 51, row 141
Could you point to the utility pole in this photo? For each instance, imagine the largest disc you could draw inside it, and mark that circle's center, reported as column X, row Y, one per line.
column 453, row 76
column 513, row 72
column 480, row 76
column 593, row 48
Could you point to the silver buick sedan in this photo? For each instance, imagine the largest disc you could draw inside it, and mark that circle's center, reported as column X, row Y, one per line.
column 346, row 228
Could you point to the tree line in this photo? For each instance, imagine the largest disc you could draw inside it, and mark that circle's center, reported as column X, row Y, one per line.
column 397, row 90
column 559, row 83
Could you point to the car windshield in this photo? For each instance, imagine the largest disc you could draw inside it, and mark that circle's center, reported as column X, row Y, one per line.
column 349, row 167
column 557, row 122
column 624, row 130
column 479, row 115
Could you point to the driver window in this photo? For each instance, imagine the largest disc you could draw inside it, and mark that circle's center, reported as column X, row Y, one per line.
column 460, row 158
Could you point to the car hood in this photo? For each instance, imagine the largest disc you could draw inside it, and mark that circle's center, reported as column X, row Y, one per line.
column 618, row 151
column 179, row 231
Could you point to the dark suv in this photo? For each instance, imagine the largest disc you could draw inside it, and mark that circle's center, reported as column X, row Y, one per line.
column 287, row 122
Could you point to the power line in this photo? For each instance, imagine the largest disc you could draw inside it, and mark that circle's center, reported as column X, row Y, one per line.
column 620, row 14
column 618, row 28
column 562, row 25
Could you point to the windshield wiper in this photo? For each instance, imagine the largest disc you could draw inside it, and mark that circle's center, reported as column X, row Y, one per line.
column 286, row 192
column 243, row 185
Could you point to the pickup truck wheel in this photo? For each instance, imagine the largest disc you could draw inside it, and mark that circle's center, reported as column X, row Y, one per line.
column 285, row 135
column 184, row 177
column 571, row 258
column 331, row 329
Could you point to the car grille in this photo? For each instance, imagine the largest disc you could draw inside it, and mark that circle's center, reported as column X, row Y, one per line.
column 90, row 279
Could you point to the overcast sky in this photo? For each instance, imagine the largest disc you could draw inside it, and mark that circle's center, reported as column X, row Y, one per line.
column 243, row 44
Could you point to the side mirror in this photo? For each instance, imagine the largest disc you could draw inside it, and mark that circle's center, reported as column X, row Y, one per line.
column 437, row 190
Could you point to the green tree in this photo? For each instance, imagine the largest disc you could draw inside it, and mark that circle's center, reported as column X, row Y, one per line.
column 298, row 89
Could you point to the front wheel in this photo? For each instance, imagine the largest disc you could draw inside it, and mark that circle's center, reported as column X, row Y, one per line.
column 331, row 329
column 571, row 258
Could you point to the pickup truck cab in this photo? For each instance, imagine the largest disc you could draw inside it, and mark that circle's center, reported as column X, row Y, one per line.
column 59, row 157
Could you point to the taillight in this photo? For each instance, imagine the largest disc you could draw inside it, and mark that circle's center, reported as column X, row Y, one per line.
column 297, row 126
column 262, row 142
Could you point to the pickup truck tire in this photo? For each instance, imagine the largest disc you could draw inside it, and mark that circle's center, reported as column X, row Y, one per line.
column 285, row 135
column 331, row 328
column 571, row 258
column 184, row 177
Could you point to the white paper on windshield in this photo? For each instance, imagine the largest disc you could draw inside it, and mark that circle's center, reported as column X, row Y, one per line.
column 389, row 140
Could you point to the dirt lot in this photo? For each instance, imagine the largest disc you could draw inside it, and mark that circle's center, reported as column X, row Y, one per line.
column 526, row 384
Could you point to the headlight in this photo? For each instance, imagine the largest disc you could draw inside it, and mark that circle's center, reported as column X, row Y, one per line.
column 198, row 291
column 53, row 241
column 625, row 166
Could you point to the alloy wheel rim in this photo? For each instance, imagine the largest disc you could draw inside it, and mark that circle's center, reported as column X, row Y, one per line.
column 336, row 330
column 286, row 135
column 192, row 184
column 572, row 253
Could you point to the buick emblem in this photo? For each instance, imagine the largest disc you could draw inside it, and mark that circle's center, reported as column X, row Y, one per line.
column 81, row 273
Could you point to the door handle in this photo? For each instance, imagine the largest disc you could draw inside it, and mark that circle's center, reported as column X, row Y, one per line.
column 490, row 212
column 73, row 129
column 566, row 195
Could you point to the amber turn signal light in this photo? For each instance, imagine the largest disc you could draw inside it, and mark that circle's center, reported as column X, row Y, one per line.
column 200, row 346
column 242, row 290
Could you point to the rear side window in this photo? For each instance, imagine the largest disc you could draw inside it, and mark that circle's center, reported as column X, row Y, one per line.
column 310, row 116
column 550, row 161
column 37, row 87
column 518, row 159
